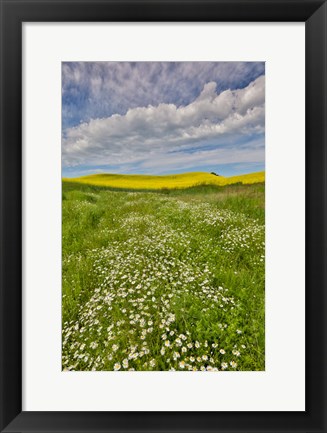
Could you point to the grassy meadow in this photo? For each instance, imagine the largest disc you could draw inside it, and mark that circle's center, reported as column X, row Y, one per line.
column 168, row 279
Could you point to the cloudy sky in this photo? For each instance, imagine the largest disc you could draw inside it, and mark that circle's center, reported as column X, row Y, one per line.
column 163, row 117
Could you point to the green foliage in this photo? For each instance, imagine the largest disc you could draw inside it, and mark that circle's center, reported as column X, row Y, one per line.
column 163, row 280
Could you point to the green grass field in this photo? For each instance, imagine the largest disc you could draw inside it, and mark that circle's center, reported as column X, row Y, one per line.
column 165, row 280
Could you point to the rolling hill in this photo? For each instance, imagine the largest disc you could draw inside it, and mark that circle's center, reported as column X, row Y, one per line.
column 171, row 181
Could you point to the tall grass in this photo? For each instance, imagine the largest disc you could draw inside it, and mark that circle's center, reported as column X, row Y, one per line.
column 167, row 280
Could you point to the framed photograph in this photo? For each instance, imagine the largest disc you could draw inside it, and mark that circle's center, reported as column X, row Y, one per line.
column 163, row 216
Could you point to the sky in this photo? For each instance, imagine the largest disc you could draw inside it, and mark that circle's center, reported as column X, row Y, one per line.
column 163, row 117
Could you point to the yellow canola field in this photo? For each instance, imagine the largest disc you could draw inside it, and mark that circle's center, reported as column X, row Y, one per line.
column 171, row 181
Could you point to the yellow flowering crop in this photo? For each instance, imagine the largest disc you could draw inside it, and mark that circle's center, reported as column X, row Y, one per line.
column 172, row 181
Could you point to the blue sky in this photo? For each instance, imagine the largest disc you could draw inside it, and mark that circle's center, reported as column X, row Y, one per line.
column 162, row 117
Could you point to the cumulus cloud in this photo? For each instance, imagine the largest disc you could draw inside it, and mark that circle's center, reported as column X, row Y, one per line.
column 206, row 129
column 99, row 89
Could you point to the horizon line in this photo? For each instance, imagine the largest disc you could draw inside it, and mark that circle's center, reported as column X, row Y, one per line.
column 162, row 175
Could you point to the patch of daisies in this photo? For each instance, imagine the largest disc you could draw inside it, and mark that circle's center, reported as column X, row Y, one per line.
column 155, row 303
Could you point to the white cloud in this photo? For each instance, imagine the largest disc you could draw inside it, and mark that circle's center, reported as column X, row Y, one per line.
column 212, row 157
column 157, row 132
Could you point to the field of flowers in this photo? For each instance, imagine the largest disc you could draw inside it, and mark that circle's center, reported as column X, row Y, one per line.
column 170, row 280
column 170, row 181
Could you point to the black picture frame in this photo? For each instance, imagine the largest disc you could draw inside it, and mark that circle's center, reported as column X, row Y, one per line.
column 13, row 14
